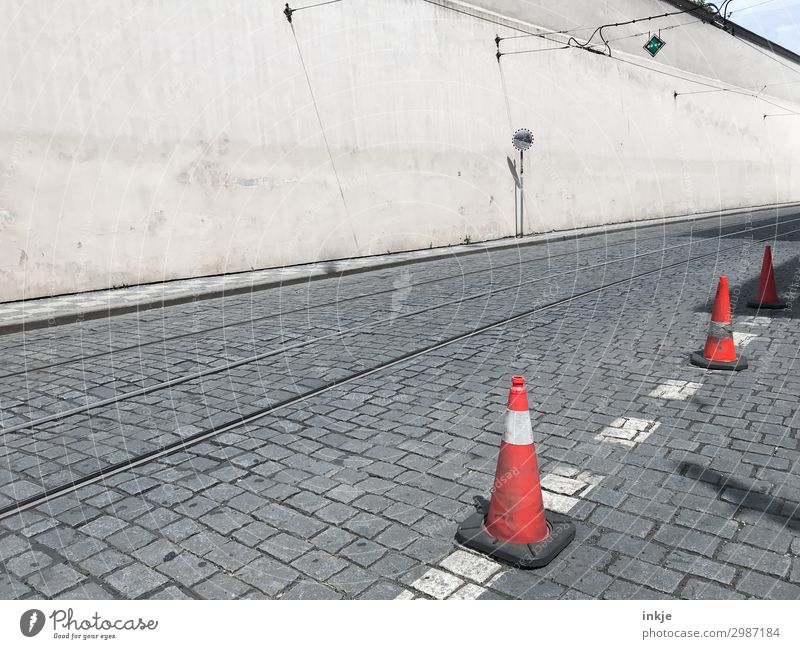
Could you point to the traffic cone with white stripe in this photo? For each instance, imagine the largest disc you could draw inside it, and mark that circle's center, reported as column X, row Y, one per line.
column 516, row 528
column 720, row 351
column 767, row 295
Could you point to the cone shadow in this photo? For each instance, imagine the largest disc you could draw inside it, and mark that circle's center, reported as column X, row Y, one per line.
column 742, row 493
column 787, row 277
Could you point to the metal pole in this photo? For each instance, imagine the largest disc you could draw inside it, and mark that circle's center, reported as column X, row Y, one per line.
column 521, row 195
column 516, row 209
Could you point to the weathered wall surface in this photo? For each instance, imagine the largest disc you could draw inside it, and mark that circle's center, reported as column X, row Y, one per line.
column 173, row 139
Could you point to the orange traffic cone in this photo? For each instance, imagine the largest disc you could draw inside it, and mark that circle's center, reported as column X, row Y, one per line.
column 767, row 296
column 720, row 352
column 516, row 528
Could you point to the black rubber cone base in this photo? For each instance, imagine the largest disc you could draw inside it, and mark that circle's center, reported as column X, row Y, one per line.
column 697, row 358
column 472, row 534
column 767, row 305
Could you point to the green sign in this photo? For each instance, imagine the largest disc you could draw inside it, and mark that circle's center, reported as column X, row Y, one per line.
column 654, row 45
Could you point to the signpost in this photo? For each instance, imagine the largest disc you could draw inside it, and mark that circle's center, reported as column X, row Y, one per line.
column 522, row 141
column 654, row 45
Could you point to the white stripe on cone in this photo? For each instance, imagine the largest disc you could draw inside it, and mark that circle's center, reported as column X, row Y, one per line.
column 518, row 428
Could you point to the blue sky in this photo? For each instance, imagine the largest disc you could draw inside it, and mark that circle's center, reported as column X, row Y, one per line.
column 778, row 20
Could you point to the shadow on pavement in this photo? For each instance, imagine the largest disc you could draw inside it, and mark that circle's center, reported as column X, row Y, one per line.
column 791, row 230
column 787, row 278
column 750, row 494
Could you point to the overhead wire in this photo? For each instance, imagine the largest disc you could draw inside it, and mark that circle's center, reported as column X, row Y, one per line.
column 288, row 12
column 599, row 31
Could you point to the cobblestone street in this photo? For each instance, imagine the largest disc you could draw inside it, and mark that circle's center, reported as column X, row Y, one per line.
column 325, row 439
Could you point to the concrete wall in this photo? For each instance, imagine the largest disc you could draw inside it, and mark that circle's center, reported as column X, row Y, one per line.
column 175, row 139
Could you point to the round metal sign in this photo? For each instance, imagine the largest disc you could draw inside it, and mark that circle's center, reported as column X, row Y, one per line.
column 522, row 140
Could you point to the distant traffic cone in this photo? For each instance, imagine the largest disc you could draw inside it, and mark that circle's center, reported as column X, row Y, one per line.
column 720, row 352
column 767, row 296
column 516, row 528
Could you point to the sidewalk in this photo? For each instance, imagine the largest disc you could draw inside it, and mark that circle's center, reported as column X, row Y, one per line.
column 40, row 313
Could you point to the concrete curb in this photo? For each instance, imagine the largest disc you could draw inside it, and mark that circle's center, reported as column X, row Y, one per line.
column 393, row 260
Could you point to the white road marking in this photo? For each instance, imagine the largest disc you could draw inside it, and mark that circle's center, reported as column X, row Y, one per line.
column 743, row 339
column 474, row 567
column 676, row 390
column 754, row 321
column 470, row 591
column 437, row 583
column 561, row 485
column 558, row 502
column 406, row 594
column 627, row 431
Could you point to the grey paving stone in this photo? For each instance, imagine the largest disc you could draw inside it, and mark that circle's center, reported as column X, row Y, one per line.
column 171, row 592
column 521, row 584
column 204, row 542
column 755, row 559
column 319, row 565
column 699, row 589
column 366, row 525
column 12, row 545
column 760, row 586
column 766, row 536
column 587, row 581
column 705, row 522
column 383, row 590
column 103, row 527
column 104, row 562
column 55, row 579
column 621, row 522
column 254, row 533
column 285, row 548
column 621, row 589
column 181, row 529
column 267, row 576
column 87, row 590
column 352, row 580
column 646, row 574
column 11, row 587
column 632, row 547
column 28, row 563
column 221, row 586
column 686, row 539
column 186, row 568
column 157, row 552
column 232, row 556
column 225, row 521
column 397, row 536
column 363, row 552
column 311, row 590
column 336, row 513
column 429, row 551
column 415, row 444
column 702, row 567
column 135, row 580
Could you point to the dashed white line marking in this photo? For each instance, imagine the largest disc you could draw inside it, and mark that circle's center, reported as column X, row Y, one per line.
column 470, row 591
column 561, row 485
column 437, row 583
column 743, row 339
column 676, row 390
column 754, row 321
column 558, row 502
column 627, row 431
column 474, row 567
